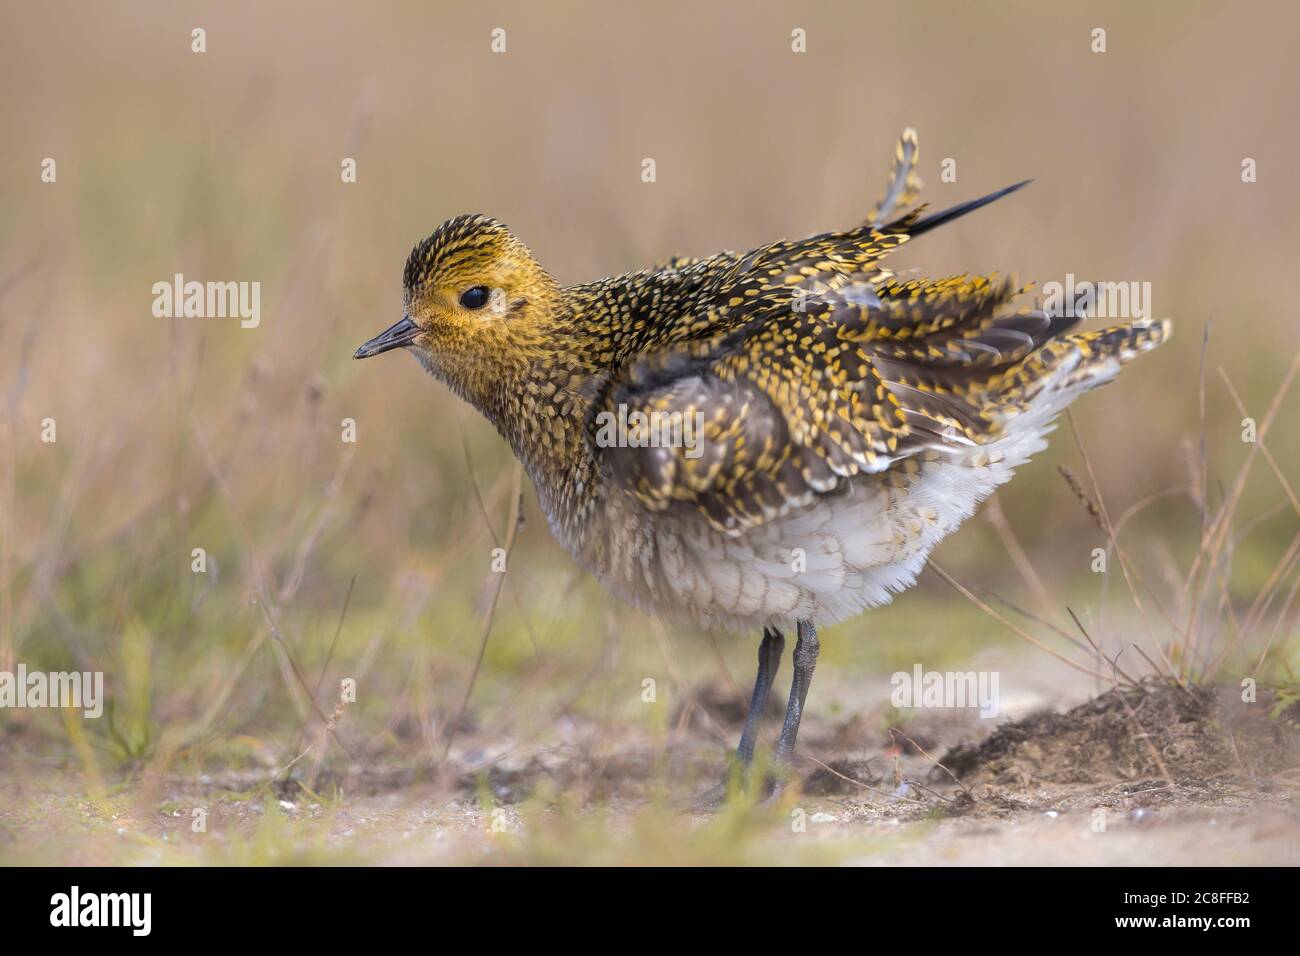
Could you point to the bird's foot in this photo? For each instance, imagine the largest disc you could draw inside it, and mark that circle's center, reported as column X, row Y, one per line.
column 710, row 801
column 752, row 786
column 776, row 788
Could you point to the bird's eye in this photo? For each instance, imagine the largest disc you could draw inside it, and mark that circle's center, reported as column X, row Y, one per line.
column 474, row 298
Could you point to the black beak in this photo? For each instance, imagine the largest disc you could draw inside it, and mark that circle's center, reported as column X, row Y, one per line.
column 394, row 337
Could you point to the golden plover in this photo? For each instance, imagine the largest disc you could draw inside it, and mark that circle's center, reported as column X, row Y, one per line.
column 758, row 441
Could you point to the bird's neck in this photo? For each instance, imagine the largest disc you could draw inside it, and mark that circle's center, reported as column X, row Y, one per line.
column 539, row 399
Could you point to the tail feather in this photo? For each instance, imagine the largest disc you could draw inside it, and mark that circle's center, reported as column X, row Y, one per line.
column 1069, row 366
column 1104, row 351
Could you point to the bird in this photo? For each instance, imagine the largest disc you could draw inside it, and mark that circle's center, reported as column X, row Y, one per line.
column 763, row 442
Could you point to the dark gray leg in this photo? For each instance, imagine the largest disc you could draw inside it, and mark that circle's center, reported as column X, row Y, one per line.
column 805, row 661
column 769, row 660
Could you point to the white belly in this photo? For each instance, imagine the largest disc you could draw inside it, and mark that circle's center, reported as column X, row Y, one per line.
column 842, row 554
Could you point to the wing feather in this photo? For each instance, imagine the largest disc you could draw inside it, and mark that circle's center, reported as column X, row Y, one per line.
column 791, row 369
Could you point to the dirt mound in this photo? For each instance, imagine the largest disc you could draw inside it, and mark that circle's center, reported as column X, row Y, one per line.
column 1158, row 730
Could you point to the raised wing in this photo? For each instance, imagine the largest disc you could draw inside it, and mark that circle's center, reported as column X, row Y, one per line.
column 802, row 364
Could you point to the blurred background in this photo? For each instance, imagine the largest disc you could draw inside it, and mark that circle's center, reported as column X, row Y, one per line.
column 176, row 434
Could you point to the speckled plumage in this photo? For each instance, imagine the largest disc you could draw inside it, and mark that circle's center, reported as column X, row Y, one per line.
column 851, row 418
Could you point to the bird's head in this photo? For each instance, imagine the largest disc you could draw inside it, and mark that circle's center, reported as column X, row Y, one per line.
column 475, row 302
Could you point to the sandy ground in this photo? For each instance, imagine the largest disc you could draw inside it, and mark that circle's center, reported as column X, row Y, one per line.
column 1151, row 775
column 1143, row 825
